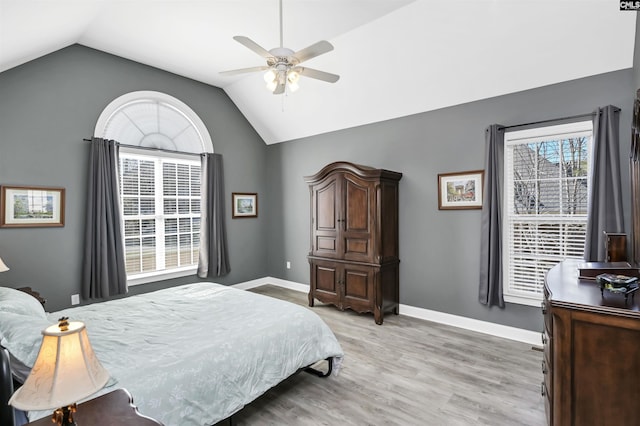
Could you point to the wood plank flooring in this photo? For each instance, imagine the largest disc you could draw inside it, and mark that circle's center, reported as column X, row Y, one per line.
column 406, row 372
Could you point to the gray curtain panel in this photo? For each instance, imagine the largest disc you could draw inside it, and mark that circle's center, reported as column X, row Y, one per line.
column 103, row 271
column 490, row 291
column 605, row 200
column 214, row 258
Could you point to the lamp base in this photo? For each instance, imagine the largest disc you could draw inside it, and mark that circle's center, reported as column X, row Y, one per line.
column 64, row 416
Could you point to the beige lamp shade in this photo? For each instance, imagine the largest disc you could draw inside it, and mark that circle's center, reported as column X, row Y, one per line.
column 3, row 267
column 65, row 372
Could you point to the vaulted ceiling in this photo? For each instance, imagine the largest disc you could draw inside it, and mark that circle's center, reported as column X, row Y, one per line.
column 394, row 57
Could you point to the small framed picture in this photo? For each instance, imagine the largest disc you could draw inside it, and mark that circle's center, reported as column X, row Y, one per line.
column 459, row 191
column 31, row 206
column 244, row 204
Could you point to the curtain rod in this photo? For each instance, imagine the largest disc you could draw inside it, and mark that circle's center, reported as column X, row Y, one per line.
column 571, row 117
column 150, row 148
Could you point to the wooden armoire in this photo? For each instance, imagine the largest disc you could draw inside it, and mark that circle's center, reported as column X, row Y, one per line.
column 354, row 238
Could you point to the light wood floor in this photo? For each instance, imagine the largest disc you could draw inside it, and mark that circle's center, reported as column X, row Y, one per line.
column 406, row 372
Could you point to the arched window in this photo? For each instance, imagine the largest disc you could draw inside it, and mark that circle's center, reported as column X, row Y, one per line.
column 154, row 120
column 159, row 189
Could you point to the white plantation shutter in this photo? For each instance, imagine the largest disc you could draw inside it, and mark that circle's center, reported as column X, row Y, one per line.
column 161, row 213
column 137, row 186
column 181, row 206
column 546, row 191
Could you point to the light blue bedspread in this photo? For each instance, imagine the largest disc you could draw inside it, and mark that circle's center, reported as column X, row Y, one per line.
column 197, row 353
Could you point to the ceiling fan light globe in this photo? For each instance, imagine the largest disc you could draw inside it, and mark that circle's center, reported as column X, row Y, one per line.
column 293, row 86
column 271, row 86
column 269, row 76
column 293, row 77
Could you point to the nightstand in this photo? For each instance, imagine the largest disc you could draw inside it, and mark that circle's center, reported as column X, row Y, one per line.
column 111, row 409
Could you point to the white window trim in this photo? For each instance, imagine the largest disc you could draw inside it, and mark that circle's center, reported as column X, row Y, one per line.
column 150, row 277
column 162, row 274
column 537, row 134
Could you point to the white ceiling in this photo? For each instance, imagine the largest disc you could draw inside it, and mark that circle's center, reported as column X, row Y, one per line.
column 394, row 57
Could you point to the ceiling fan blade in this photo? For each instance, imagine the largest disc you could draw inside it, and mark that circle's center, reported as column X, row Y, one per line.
column 245, row 70
column 312, row 51
column 279, row 88
column 318, row 75
column 247, row 42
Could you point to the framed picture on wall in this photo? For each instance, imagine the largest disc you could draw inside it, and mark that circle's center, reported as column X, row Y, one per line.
column 244, row 204
column 31, row 206
column 459, row 191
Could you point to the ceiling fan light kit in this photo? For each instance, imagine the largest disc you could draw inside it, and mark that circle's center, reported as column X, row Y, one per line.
column 282, row 67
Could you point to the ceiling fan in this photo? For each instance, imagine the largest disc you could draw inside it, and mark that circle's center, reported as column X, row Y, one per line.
column 283, row 64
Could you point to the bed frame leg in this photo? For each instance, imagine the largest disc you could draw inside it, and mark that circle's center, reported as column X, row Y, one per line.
column 319, row 373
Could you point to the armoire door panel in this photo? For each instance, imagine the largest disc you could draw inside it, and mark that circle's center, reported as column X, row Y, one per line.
column 357, row 246
column 357, row 206
column 356, row 284
column 326, row 279
column 324, row 218
column 325, row 243
column 326, row 214
column 359, row 201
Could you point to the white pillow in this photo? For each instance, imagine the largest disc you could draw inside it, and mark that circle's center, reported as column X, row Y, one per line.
column 19, row 302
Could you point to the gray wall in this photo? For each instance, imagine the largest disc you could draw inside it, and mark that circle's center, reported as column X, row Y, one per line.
column 439, row 250
column 49, row 105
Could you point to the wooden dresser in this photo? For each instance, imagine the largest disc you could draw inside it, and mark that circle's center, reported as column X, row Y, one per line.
column 591, row 361
column 354, row 238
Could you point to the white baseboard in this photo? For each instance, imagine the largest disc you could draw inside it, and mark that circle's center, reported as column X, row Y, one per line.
column 498, row 330
column 275, row 281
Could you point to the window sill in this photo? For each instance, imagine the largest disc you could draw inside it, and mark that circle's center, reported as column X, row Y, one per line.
column 523, row 300
column 150, row 277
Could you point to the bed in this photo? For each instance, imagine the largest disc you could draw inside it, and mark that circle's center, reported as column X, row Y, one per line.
column 190, row 355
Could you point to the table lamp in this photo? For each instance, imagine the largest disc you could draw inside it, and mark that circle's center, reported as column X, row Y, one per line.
column 66, row 371
column 3, row 267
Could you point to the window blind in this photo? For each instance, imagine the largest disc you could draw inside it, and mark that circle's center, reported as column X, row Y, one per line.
column 161, row 211
column 546, row 195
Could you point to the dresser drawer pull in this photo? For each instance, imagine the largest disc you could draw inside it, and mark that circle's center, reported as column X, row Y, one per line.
column 544, row 338
column 543, row 389
column 543, row 305
column 544, row 367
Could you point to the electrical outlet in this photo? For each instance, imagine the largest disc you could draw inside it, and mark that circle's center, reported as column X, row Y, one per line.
column 288, row 265
column 75, row 299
